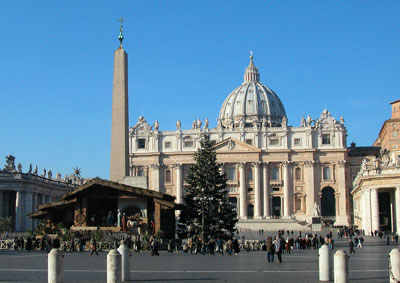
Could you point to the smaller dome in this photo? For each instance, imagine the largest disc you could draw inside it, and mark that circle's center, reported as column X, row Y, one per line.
column 252, row 102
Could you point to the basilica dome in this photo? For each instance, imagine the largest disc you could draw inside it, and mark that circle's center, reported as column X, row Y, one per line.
column 252, row 103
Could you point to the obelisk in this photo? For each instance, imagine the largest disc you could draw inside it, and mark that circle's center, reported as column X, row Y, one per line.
column 119, row 162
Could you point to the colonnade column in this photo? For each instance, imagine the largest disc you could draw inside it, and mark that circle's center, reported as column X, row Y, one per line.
column 28, row 210
column 18, row 211
column 267, row 208
column 397, row 201
column 257, row 191
column 179, row 183
column 243, row 190
column 375, row 209
column 286, row 191
column 155, row 177
column 1, row 204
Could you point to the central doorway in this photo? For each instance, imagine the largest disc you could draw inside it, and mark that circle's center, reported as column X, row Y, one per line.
column 276, row 206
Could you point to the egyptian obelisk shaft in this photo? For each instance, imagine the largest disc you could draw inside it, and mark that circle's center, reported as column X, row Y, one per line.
column 119, row 163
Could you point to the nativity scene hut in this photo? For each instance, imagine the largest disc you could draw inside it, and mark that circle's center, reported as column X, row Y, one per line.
column 110, row 206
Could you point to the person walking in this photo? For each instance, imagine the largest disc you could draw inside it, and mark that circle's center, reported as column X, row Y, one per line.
column 220, row 248
column 270, row 250
column 278, row 248
column 236, row 247
column 351, row 246
column 93, row 247
column 360, row 242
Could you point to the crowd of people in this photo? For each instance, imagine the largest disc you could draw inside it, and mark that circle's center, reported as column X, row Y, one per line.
column 281, row 243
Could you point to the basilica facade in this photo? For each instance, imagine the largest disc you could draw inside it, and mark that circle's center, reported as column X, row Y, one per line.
column 275, row 171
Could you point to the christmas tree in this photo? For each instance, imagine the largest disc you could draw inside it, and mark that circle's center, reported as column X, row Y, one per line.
column 208, row 214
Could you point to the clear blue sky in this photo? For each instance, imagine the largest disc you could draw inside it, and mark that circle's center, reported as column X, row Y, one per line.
column 185, row 57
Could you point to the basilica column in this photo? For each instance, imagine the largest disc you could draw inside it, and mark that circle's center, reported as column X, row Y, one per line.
column 257, row 191
column 18, row 211
column 286, row 190
column 397, row 201
column 243, row 190
column 267, row 208
column 28, row 210
column 155, row 176
column 1, row 203
column 179, row 184
column 375, row 209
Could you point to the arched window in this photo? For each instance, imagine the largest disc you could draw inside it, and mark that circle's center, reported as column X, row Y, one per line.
column 327, row 173
column 168, row 176
column 275, row 174
column 249, row 174
column 232, row 173
column 297, row 174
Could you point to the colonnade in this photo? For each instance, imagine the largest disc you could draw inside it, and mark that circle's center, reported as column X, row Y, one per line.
column 25, row 202
column 370, row 210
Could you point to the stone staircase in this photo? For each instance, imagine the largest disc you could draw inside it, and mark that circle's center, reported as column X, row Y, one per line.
column 272, row 225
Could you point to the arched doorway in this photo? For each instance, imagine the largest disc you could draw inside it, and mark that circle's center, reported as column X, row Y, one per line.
column 328, row 203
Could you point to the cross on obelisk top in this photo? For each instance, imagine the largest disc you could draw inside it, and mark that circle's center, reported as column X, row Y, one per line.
column 120, row 36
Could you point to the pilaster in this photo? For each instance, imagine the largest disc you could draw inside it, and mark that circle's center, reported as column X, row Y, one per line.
column 18, row 211
column 155, row 177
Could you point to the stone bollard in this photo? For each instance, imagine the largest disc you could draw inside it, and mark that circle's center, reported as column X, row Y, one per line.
column 341, row 264
column 125, row 255
column 113, row 267
column 55, row 260
column 394, row 265
column 325, row 263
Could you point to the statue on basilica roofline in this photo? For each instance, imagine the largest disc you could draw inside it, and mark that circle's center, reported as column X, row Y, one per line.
column 44, row 172
column 35, row 172
column 19, row 166
column 341, row 120
column 206, row 123
column 309, row 120
column 199, row 123
column 284, row 121
column 49, row 174
column 194, row 124
column 156, row 125
column 30, row 169
column 178, row 125
column 303, row 122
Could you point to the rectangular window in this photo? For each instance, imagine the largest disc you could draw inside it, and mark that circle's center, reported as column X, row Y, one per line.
column 188, row 143
column 274, row 142
column 232, row 173
column 394, row 134
column 395, row 146
column 249, row 141
column 167, row 145
column 275, row 189
column 275, row 174
column 249, row 189
column 297, row 142
column 326, row 139
column 141, row 143
column 327, row 173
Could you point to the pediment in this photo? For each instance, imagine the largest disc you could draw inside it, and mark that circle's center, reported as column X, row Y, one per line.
column 233, row 145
